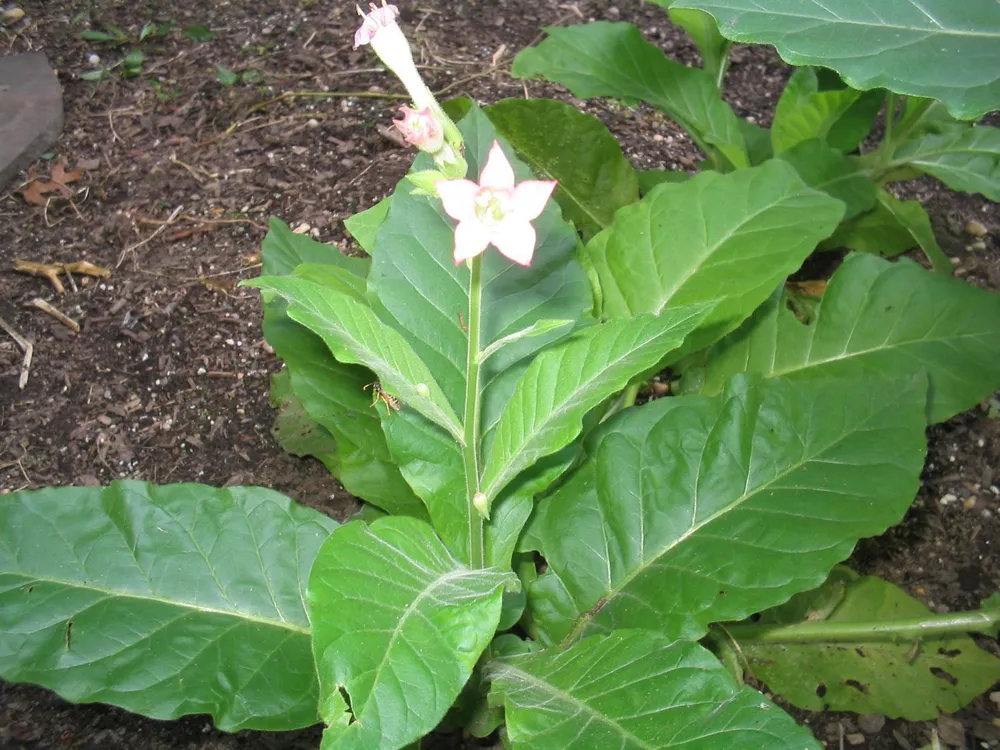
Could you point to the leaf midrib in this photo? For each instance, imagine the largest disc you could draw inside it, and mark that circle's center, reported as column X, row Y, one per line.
column 580, row 704
column 114, row 594
column 917, row 30
column 502, row 479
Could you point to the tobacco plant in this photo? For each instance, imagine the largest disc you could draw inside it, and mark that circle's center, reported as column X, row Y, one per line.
column 541, row 552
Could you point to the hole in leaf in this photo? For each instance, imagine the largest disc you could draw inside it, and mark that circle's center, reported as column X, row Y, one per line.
column 820, row 690
column 347, row 700
column 951, row 653
column 943, row 675
column 857, row 686
column 860, row 652
column 541, row 564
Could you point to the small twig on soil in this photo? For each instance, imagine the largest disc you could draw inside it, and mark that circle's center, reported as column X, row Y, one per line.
column 133, row 248
column 114, row 133
column 205, row 174
column 141, row 219
column 51, row 271
column 26, row 346
column 45, row 307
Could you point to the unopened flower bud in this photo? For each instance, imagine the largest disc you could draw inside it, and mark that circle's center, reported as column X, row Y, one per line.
column 421, row 129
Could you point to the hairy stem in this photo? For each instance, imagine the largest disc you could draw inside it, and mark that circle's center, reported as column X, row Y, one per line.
column 471, row 450
column 904, row 629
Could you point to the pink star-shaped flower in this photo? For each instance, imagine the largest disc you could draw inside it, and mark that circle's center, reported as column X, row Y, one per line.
column 495, row 212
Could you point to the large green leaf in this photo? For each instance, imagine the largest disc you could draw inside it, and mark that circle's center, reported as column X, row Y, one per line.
column 966, row 160
column 876, row 319
column 729, row 237
column 562, row 143
column 694, row 510
column 398, row 624
column 866, row 675
column 356, row 336
column 635, row 690
column 837, row 175
column 612, row 59
column 940, row 49
column 546, row 411
column 166, row 601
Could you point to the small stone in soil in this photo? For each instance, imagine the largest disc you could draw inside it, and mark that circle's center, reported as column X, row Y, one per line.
column 871, row 723
column 855, row 739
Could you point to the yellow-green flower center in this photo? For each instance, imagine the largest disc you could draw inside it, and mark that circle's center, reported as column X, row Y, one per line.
column 492, row 206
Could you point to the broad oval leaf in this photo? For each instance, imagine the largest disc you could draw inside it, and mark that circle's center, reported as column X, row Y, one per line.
column 866, row 675
column 613, row 59
column 940, row 49
column 562, row 143
column 546, row 411
column 966, row 160
column 166, row 601
column 635, row 690
column 356, row 336
column 701, row 27
column 398, row 626
column 694, row 510
column 729, row 237
column 876, row 319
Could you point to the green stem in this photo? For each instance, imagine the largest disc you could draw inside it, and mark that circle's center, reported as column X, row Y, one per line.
column 471, row 450
column 887, row 146
column 629, row 395
column 906, row 629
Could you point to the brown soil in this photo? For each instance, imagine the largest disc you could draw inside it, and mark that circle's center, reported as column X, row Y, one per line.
column 167, row 381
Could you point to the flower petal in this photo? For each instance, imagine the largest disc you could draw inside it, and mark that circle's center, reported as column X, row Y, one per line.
column 530, row 197
column 458, row 198
column 497, row 174
column 515, row 239
column 471, row 238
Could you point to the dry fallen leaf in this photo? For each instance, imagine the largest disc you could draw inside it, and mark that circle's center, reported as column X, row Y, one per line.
column 36, row 190
column 808, row 288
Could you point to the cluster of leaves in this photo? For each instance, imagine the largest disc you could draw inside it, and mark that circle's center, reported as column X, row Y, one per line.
column 535, row 551
column 133, row 62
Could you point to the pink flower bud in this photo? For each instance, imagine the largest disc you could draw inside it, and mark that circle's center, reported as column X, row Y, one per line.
column 421, row 129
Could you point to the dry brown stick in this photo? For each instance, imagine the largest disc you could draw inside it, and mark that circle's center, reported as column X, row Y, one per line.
column 45, row 307
column 26, row 346
column 51, row 271
column 133, row 248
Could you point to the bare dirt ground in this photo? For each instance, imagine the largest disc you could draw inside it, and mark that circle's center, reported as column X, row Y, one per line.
column 179, row 172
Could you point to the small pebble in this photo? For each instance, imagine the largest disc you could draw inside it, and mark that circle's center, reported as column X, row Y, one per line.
column 93, row 60
column 995, row 697
column 12, row 16
column 948, row 499
column 871, row 723
column 969, row 503
column 855, row 739
column 975, row 229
